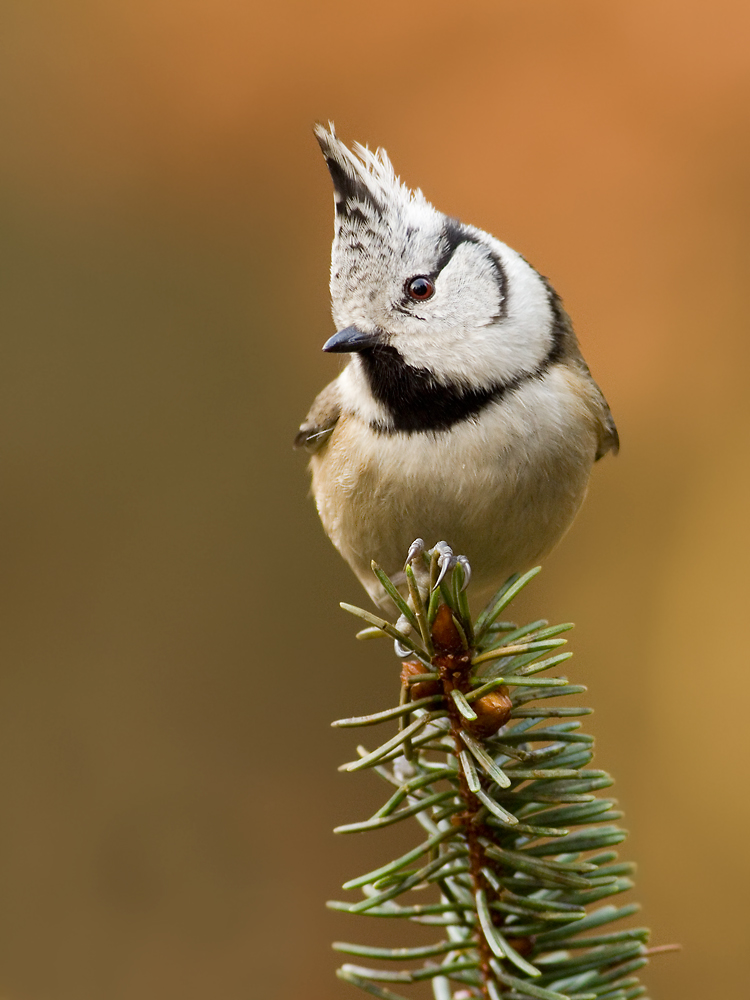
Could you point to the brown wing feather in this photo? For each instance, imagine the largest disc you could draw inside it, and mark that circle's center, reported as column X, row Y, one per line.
column 318, row 425
column 608, row 438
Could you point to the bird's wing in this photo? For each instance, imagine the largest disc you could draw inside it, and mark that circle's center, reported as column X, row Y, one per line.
column 609, row 439
column 318, row 425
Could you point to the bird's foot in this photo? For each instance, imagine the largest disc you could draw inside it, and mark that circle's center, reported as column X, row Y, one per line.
column 430, row 567
column 446, row 561
column 440, row 560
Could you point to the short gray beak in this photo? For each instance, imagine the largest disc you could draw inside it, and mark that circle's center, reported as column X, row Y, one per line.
column 350, row 340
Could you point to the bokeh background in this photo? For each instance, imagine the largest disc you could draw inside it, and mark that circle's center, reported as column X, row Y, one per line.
column 172, row 649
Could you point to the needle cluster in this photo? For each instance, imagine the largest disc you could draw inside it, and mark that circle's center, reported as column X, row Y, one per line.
column 516, row 854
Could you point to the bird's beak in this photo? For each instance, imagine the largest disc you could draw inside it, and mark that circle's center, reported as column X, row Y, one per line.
column 350, row 340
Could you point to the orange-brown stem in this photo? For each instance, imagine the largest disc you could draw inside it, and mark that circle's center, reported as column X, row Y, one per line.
column 453, row 663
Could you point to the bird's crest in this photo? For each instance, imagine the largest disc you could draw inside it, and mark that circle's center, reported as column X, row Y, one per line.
column 363, row 178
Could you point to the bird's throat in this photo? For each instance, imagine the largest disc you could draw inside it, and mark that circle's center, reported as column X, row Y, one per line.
column 413, row 398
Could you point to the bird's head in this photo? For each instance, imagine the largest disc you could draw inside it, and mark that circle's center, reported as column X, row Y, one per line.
column 417, row 290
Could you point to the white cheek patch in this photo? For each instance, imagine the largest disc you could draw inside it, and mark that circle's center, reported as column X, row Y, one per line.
column 525, row 333
column 472, row 334
column 468, row 290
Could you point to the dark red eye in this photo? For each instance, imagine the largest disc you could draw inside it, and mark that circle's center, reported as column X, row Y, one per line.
column 420, row 288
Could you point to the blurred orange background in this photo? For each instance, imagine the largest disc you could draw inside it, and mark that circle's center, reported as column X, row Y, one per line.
column 172, row 649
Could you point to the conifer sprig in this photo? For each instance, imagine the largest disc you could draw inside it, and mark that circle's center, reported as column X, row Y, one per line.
column 516, row 849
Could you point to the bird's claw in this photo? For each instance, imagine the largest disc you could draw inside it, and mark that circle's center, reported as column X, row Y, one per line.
column 465, row 565
column 445, row 560
column 417, row 548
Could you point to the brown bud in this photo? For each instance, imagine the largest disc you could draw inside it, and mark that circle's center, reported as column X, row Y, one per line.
column 422, row 689
column 493, row 711
column 445, row 636
column 523, row 945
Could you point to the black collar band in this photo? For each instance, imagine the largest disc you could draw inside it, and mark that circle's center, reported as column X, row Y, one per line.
column 416, row 402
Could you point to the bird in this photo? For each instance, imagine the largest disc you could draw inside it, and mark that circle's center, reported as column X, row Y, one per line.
column 466, row 412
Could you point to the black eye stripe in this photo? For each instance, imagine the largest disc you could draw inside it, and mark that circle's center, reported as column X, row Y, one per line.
column 451, row 239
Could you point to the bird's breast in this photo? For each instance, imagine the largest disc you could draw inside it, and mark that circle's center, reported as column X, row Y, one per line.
column 501, row 488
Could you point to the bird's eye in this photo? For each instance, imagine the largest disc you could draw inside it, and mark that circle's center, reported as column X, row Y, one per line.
column 420, row 288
